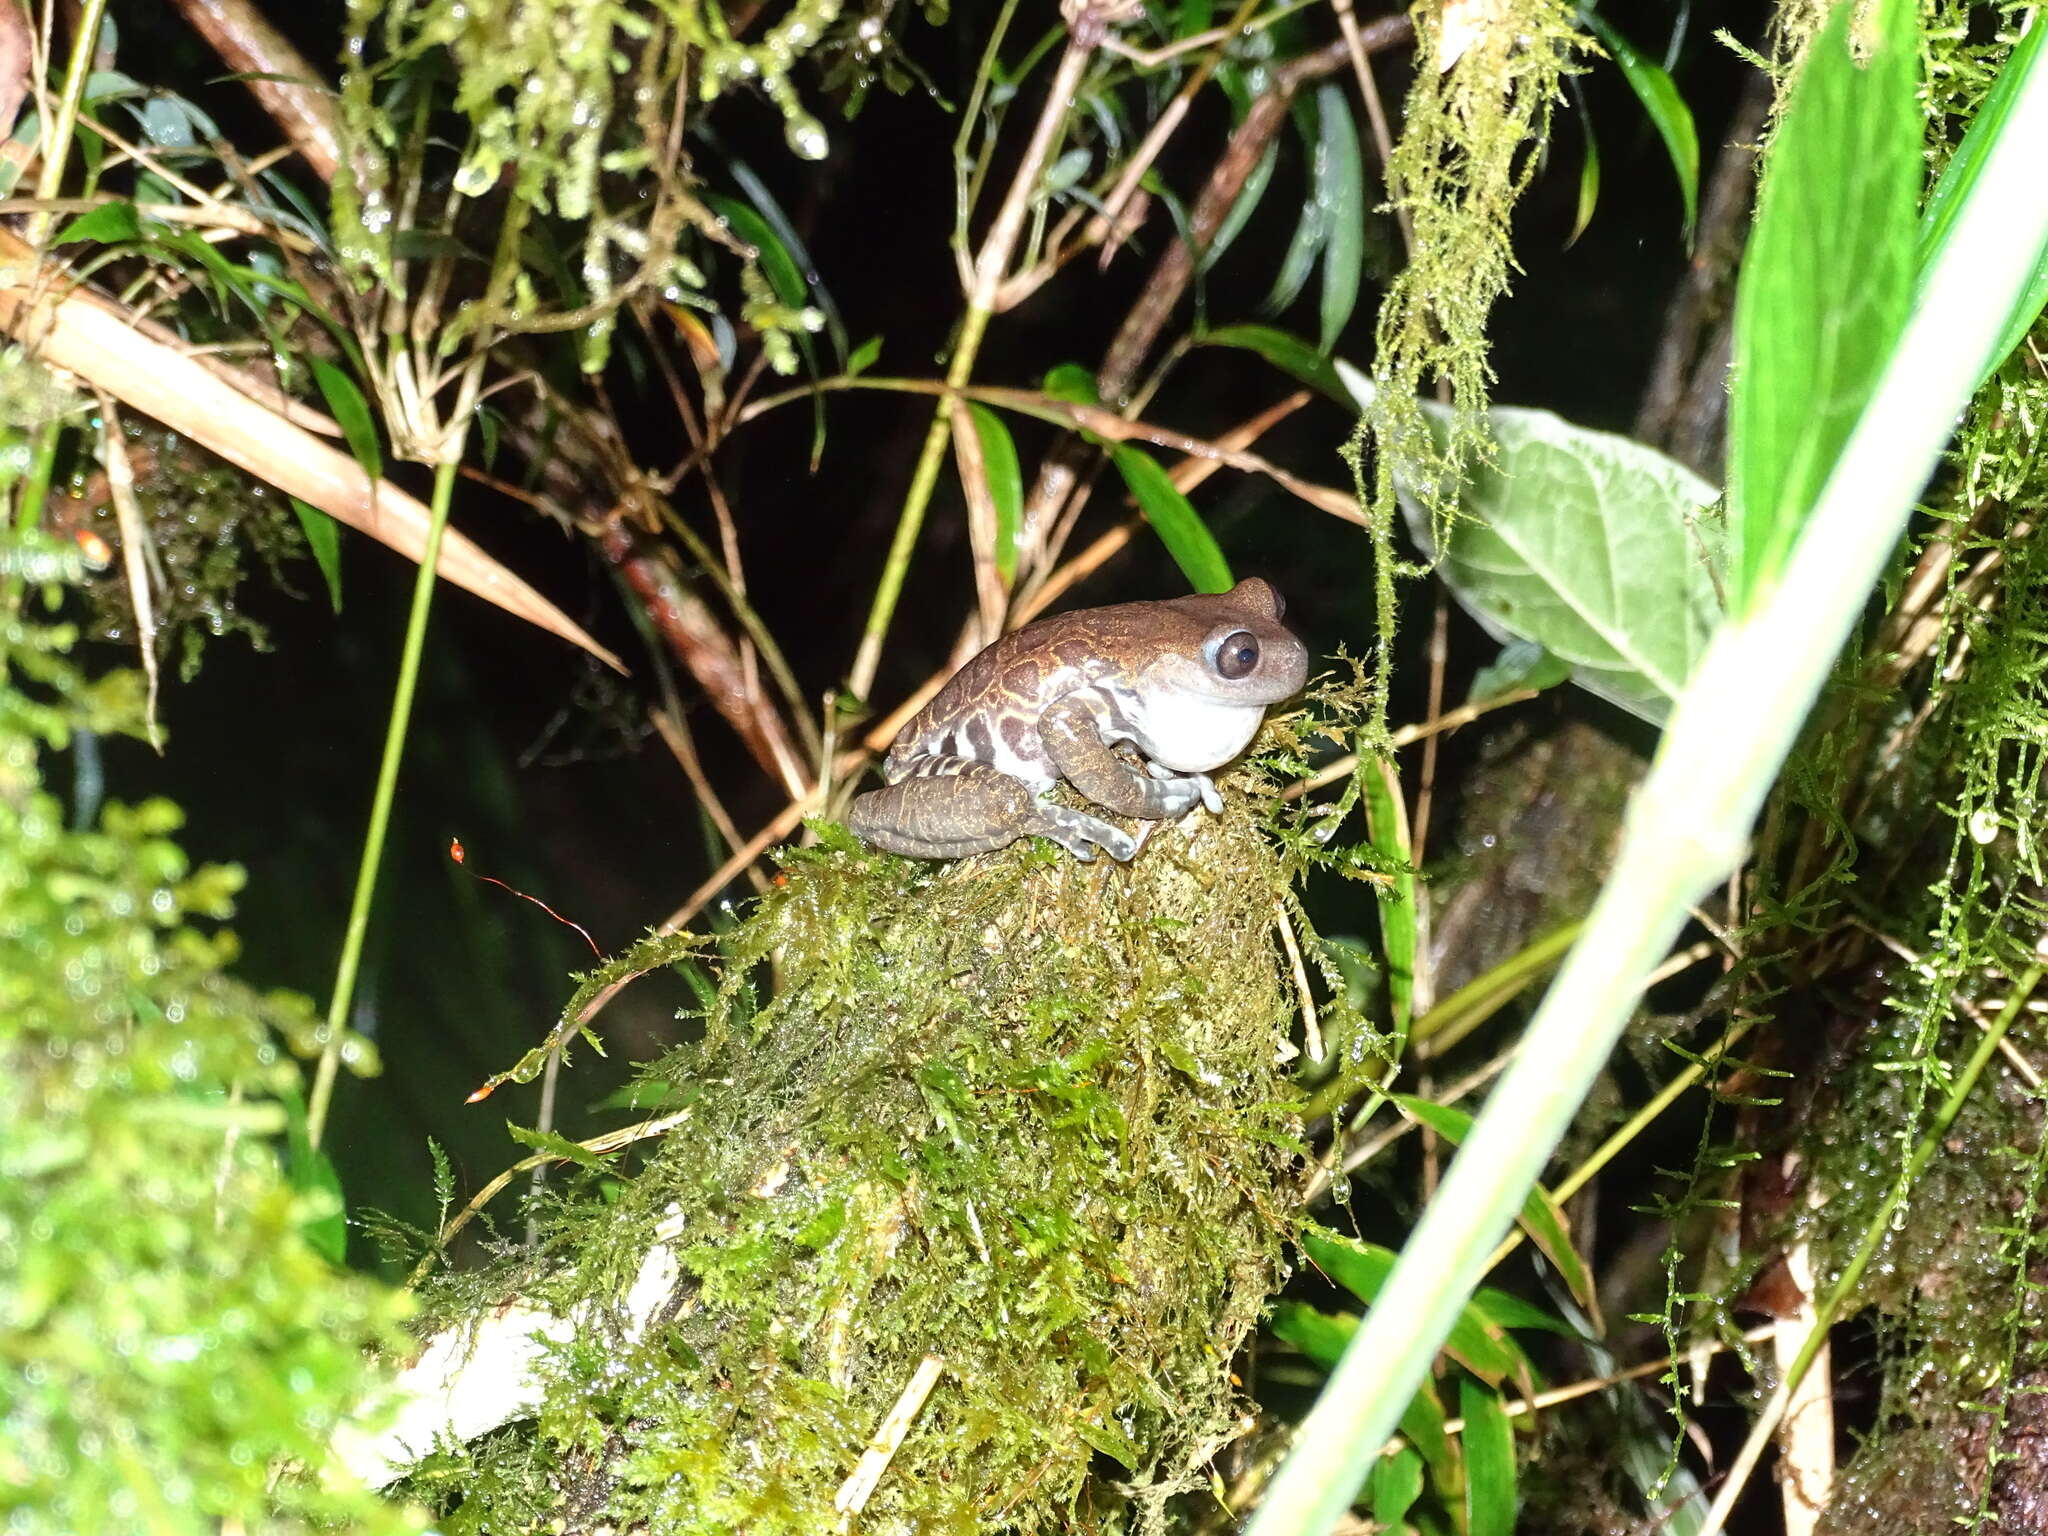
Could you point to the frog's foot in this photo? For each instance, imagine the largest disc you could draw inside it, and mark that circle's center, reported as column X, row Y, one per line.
column 951, row 807
column 1200, row 783
column 1076, row 831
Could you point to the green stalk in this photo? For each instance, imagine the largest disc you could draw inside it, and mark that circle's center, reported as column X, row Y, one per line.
column 57, row 148
column 380, row 804
column 989, row 268
column 1689, row 824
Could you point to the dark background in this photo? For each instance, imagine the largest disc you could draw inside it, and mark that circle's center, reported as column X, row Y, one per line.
column 532, row 755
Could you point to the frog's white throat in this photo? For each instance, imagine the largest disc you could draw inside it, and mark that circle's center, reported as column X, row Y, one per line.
column 1192, row 734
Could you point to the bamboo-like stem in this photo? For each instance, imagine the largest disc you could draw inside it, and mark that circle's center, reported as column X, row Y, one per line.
column 1689, row 823
column 57, row 147
column 990, row 264
column 380, row 803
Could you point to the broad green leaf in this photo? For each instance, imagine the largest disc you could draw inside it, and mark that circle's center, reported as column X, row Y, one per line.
column 1290, row 354
column 1825, row 285
column 1396, row 1485
column 323, row 538
column 1960, row 174
column 351, row 411
column 1241, row 211
column 1588, row 544
column 1489, row 1462
column 1005, row 485
column 108, row 224
column 1313, row 228
column 1386, row 820
column 1174, row 519
column 1668, row 112
column 1071, row 382
column 1340, row 173
column 1520, row 664
column 1362, row 1268
column 1541, row 1217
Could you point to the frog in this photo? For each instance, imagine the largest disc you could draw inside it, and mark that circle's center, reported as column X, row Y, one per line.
column 1134, row 705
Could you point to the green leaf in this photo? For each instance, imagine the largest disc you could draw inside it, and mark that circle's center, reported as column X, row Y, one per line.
column 323, row 538
column 108, row 224
column 554, row 1145
column 1396, row 1485
column 1541, row 1216
column 1241, row 210
column 1520, row 664
column 1174, row 519
column 1960, row 174
column 1290, row 354
column 1489, row 1462
column 1589, row 179
column 1071, row 382
column 1319, row 1335
column 1668, row 112
column 1588, row 544
column 348, row 407
column 1825, row 285
column 777, row 265
column 310, row 1171
column 1340, row 187
column 1005, row 485
column 1386, row 820
column 863, row 357
column 1313, row 228
column 1362, row 1268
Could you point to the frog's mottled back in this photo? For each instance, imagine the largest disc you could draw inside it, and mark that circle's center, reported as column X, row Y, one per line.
column 1183, row 682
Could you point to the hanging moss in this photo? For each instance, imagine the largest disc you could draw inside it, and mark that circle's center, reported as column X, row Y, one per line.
column 1020, row 1113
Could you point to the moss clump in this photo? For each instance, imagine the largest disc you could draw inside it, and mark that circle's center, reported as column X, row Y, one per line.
column 1019, row 1113
column 173, row 1343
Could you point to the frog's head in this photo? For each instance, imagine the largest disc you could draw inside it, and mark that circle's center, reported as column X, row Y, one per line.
column 1218, row 659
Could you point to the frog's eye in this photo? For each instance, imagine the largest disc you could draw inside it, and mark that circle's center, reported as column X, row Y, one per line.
column 1237, row 655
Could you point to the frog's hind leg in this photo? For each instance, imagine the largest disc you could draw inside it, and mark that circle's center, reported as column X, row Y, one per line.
column 950, row 807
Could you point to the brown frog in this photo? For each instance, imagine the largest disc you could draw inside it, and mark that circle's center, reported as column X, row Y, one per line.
column 1182, row 683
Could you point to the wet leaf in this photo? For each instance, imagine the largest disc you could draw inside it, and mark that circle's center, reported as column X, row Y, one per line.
column 1340, row 188
column 323, row 538
column 1174, row 519
column 1668, row 112
column 1489, row 1462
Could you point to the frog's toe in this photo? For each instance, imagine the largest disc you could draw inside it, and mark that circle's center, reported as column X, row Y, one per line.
column 1081, row 834
column 1212, row 797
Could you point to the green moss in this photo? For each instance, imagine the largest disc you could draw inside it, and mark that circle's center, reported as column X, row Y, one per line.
column 1018, row 1112
column 173, row 1346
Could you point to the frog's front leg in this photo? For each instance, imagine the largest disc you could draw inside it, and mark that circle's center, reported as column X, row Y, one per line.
column 950, row 807
column 1073, row 735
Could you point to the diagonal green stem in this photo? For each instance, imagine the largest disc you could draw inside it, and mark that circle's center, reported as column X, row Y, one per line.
column 989, row 266
column 380, row 804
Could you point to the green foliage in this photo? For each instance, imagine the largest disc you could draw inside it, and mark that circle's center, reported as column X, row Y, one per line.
column 177, row 1352
column 1174, row 518
column 1592, row 546
column 1666, row 108
column 1825, row 285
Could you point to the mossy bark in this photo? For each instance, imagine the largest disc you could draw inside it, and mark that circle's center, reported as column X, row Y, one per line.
column 1019, row 1113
